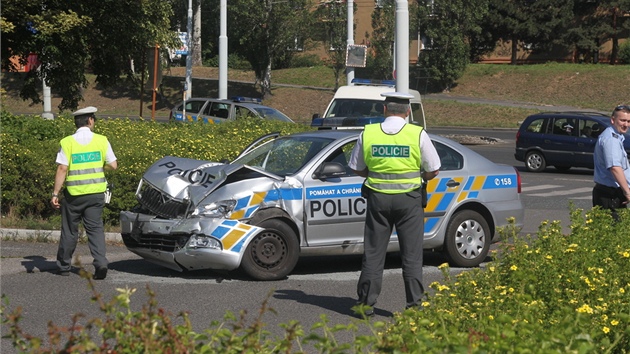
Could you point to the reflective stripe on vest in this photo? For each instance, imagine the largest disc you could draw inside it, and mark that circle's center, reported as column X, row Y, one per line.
column 86, row 174
column 393, row 160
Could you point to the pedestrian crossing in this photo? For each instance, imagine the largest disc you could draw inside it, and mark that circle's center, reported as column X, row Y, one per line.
column 554, row 191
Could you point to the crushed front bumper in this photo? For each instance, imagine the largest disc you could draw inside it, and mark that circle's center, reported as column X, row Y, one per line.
column 170, row 242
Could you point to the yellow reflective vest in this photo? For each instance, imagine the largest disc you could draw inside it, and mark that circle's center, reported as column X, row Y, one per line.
column 86, row 174
column 393, row 160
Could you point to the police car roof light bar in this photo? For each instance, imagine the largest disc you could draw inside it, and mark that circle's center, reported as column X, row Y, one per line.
column 243, row 99
column 356, row 81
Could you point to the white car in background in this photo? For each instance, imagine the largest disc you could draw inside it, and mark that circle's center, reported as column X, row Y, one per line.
column 363, row 99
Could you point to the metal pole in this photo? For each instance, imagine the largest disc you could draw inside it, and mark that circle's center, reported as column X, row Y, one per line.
column 189, row 54
column 402, row 46
column 223, row 52
column 155, row 74
column 350, row 70
column 47, row 114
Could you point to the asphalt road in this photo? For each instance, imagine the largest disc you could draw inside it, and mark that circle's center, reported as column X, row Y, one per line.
column 319, row 285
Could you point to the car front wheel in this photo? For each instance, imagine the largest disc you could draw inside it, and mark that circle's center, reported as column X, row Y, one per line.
column 273, row 253
column 467, row 239
column 535, row 161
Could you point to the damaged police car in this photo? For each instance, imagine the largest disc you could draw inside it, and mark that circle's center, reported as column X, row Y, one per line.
column 291, row 196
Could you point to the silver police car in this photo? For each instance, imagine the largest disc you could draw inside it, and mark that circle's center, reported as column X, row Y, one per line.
column 215, row 110
column 291, row 196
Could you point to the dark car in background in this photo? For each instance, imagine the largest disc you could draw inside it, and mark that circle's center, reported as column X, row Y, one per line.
column 560, row 139
column 216, row 110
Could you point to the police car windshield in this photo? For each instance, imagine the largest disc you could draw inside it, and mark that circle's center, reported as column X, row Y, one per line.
column 272, row 114
column 355, row 108
column 284, row 156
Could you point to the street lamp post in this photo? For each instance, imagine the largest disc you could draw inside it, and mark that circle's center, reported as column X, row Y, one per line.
column 188, row 86
column 350, row 69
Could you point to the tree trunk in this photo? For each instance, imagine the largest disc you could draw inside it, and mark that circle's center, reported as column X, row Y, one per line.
column 196, row 40
column 615, row 39
column 266, row 82
column 514, row 50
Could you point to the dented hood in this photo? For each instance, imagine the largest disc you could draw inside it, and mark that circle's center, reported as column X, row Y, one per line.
column 189, row 179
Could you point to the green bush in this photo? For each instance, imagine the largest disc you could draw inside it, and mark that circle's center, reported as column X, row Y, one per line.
column 29, row 145
column 624, row 52
column 305, row 61
column 234, row 62
column 548, row 293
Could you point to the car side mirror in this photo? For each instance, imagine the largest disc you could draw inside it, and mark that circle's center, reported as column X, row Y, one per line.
column 315, row 115
column 329, row 170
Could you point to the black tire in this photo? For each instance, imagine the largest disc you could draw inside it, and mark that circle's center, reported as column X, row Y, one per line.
column 273, row 253
column 467, row 239
column 535, row 161
column 562, row 168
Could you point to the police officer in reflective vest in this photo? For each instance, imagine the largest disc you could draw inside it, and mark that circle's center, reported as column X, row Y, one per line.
column 395, row 157
column 81, row 163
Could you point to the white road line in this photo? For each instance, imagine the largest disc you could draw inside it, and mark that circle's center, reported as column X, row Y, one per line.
column 539, row 187
column 563, row 192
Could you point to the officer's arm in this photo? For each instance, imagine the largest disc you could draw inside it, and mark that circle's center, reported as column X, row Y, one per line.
column 112, row 165
column 362, row 173
column 620, row 177
column 427, row 176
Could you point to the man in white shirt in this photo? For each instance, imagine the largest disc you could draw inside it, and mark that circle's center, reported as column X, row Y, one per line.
column 396, row 158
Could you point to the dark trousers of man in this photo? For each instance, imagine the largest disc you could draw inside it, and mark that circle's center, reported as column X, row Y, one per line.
column 88, row 209
column 609, row 198
column 384, row 211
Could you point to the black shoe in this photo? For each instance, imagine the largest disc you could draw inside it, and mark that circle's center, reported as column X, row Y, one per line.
column 364, row 310
column 101, row 273
column 63, row 273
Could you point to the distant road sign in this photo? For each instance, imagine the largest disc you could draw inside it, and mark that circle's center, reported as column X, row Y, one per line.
column 183, row 50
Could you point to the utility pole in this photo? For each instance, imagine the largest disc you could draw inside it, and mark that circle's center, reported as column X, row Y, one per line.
column 223, row 51
column 402, row 46
column 188, row 85
column 350, row 69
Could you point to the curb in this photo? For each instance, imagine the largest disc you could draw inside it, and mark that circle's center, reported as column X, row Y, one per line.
column 48, row 235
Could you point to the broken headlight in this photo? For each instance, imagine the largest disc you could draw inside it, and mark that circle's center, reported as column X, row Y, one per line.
column 201, row 241
column 220, row 209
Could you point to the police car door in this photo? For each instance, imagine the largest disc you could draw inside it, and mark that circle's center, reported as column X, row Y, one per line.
column 334, row 209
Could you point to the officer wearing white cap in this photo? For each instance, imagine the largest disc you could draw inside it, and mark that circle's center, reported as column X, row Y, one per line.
column 81, row 163
column 396, row 158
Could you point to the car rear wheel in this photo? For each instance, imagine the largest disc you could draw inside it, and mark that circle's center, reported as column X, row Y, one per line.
column 535, row 161
column 467, row 239
column 273, row 253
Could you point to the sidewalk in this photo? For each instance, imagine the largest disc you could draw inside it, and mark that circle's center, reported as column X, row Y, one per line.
column 47, row 235
column 30, row 251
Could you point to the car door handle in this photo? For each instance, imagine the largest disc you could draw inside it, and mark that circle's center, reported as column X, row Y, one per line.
column 452, row 183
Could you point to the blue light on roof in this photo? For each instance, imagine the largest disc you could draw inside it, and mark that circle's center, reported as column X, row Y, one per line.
column 243, row 99
column 356, row 81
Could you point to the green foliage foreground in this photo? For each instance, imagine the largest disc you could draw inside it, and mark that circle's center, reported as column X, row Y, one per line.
column 29, row 145
column 548, row 293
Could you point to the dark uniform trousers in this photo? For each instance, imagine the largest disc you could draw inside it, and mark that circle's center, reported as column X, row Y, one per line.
column 89, row 209
column 384, row 211
column 611, row 198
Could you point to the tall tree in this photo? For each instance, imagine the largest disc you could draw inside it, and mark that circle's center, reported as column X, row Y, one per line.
column 381, row 62
column 446, row 27
column 612, row 14
column 266, row 30
column 72, row 35
column 332, row 30
column 531, row 24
